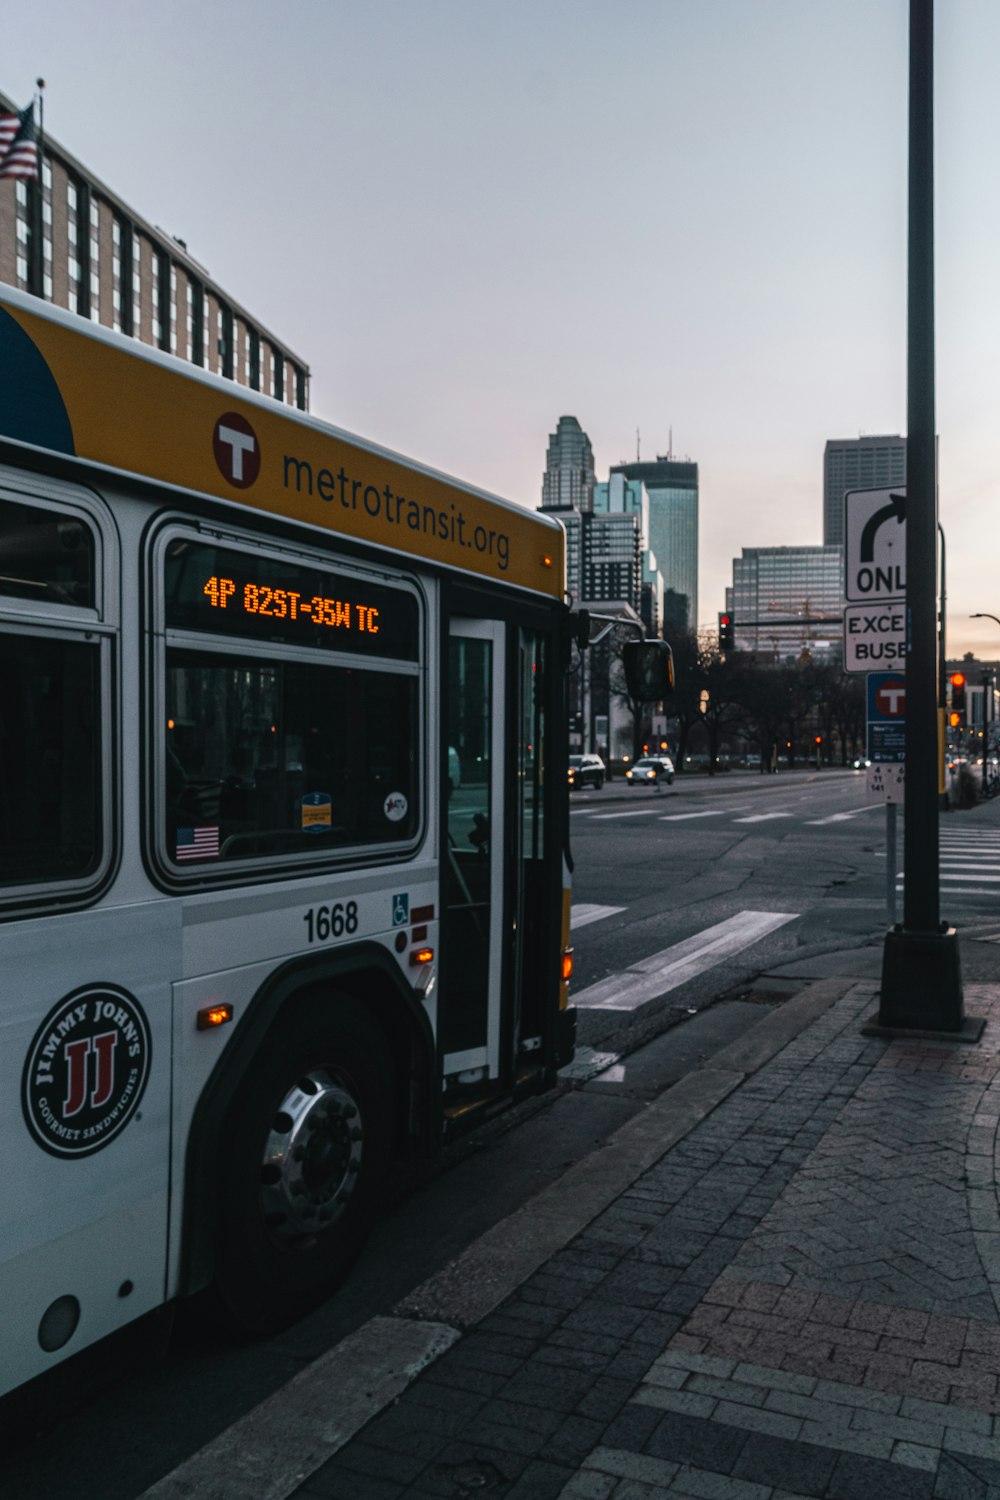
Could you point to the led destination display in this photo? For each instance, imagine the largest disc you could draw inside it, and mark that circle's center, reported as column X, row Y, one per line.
column 215, row 589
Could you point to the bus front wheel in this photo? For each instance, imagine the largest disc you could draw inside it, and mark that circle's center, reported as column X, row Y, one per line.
column 304, row 1153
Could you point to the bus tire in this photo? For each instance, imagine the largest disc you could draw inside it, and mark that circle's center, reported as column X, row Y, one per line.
column 305, row 1148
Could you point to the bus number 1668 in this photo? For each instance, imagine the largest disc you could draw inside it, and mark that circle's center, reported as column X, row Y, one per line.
column 324, row 922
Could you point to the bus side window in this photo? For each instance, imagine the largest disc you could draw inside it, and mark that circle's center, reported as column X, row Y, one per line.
column 50, row 820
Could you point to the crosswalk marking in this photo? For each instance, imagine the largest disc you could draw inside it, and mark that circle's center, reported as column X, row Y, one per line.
column 587, row 912
column 680, row 817
column 643, row 812
column 762, row 817
column 664, row 971
column 969, row 863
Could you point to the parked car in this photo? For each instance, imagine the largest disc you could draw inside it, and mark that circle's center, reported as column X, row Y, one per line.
column 652, row 770
column 586, row 770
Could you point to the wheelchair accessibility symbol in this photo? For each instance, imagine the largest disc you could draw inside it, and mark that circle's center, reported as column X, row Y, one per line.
column 400, row 910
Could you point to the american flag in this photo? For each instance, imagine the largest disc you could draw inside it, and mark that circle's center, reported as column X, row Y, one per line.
column 18, row 146
column 198, row 843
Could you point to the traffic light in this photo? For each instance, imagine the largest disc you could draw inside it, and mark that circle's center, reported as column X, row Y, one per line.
column 957, row 699
column 954, row 720
column 727, row 633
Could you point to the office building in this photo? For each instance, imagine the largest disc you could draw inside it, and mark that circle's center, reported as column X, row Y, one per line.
column 619, row 496
column 568, row 482
column 788, row 600
column 672, row 488
column 866, row 463
column 74, row 242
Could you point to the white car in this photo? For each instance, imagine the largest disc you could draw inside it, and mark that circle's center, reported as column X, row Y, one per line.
column 652, row 770
column 584, row 769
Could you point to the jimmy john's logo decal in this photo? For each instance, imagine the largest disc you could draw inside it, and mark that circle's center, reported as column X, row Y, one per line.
column 86, row 1071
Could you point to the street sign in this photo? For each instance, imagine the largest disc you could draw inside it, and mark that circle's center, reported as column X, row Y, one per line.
column 875, row 635
column 886, row 783
column 875, row 544
column 886, row 694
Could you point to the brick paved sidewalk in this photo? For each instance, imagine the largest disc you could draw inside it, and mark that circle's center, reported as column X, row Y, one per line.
column 799, row 1299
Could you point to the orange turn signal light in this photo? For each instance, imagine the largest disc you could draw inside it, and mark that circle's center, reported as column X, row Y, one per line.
column 422, row 956
column 567, row 963
column 214, row 1015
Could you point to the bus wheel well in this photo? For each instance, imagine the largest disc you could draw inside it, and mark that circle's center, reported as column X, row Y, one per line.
column 371, row 988
column 366, row 985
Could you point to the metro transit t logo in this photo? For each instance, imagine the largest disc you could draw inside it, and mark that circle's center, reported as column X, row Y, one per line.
column 237, row 450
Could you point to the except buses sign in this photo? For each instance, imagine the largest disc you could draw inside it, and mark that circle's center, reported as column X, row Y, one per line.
column 875, row 579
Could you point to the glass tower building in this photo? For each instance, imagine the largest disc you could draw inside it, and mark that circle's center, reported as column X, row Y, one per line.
column 568, row 482
column 803, row 585
column 672, row 488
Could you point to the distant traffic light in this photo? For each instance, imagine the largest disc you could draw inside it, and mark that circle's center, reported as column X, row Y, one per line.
column 957, row 699
column 727, row 633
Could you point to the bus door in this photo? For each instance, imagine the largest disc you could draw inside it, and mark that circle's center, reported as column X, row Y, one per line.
column 469, row 1004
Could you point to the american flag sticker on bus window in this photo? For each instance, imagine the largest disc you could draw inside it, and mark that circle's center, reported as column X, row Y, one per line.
column 197, row 843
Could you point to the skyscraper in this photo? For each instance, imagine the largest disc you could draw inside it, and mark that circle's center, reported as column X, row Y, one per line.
column 800, row 584
column 568, row 482
column 672, row 487
column 865, row 463
column 616, row 543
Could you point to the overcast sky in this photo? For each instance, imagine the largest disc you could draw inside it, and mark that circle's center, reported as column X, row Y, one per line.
column 471, row 217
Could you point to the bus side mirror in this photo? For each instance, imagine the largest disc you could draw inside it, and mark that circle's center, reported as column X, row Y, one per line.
column 649, row 670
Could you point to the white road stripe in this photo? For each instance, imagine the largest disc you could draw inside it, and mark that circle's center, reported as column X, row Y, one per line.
column 643, row 812
column 582, row 915
column 960, row 890
column 842, row 817
column 762, row 817
column 679, row 817
column 965, row 864
column 671, row 967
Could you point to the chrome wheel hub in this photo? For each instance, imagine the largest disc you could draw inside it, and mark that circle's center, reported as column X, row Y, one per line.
column 312, row 1158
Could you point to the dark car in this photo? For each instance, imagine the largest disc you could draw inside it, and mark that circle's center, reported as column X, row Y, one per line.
column 586, row 770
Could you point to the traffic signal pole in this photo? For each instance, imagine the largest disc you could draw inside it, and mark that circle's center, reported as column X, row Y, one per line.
column 921, row 978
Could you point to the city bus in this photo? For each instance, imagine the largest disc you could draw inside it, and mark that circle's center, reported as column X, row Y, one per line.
column 284, row 886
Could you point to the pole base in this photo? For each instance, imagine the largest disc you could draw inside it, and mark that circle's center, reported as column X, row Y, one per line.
column 971, row 1030
column 921, row 982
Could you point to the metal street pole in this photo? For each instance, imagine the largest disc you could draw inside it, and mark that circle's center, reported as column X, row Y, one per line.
column 942, row 678
column 921, row 980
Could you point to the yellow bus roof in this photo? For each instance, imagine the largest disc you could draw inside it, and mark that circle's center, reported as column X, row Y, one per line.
column 78, row 389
